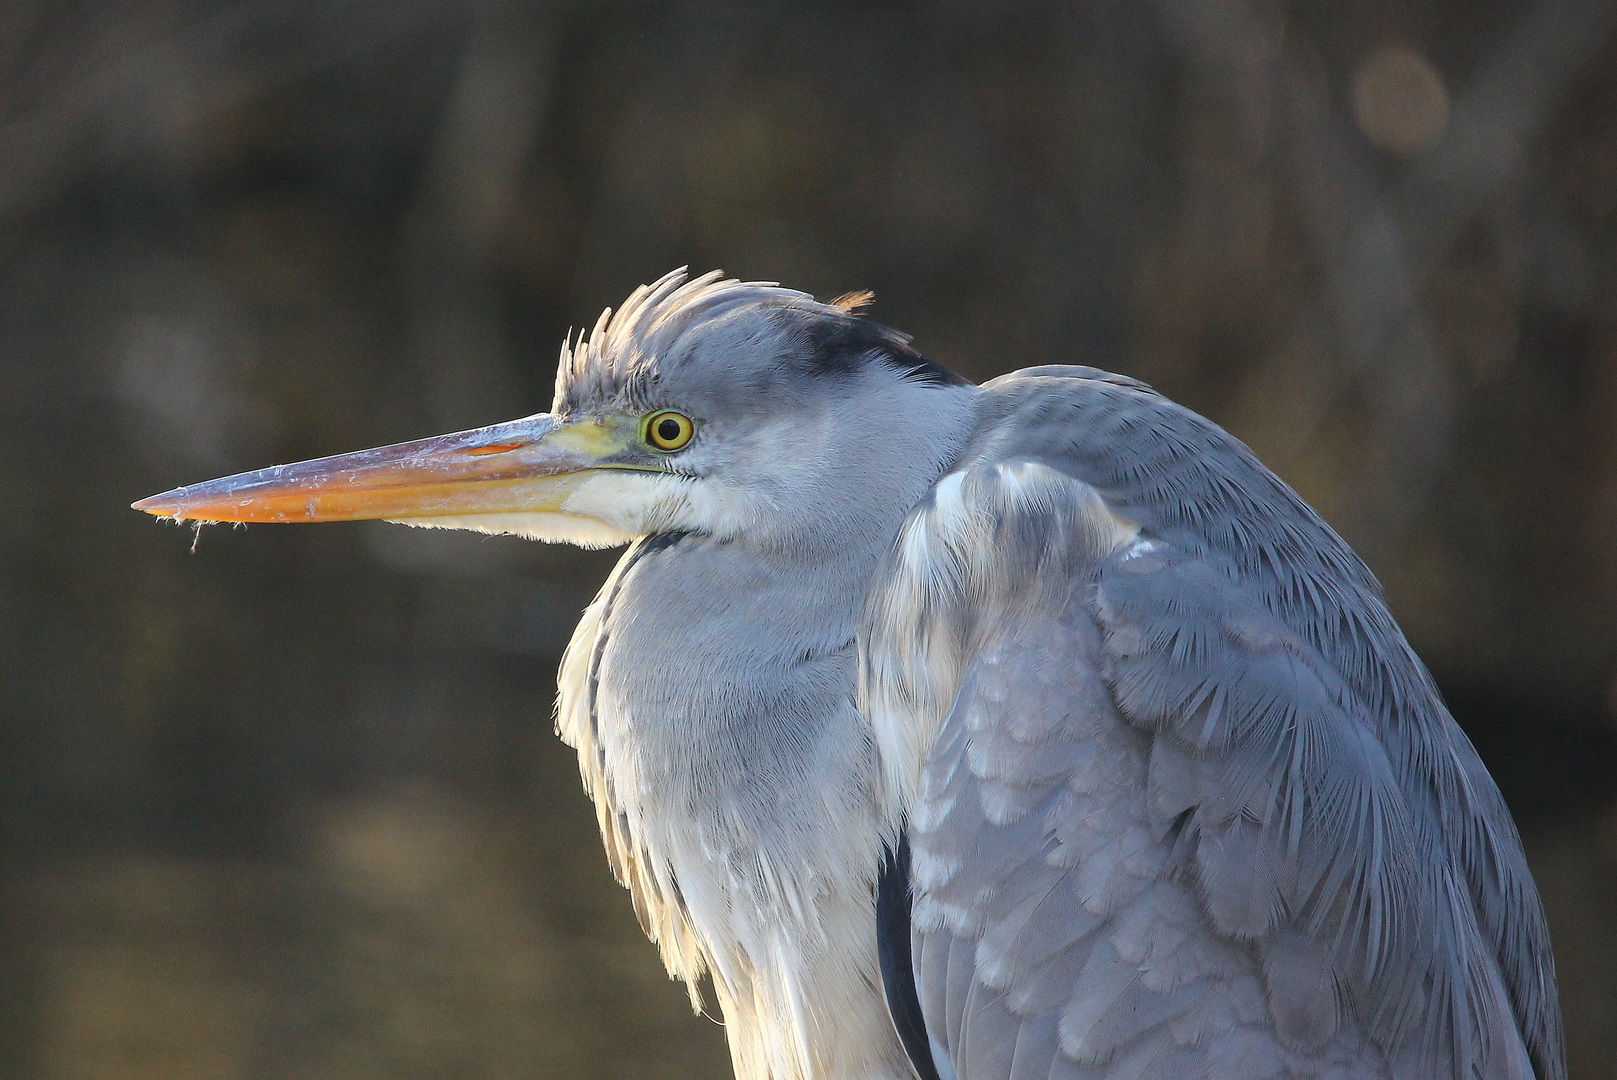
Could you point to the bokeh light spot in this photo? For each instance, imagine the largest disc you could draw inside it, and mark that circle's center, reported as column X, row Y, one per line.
column 1398, row 99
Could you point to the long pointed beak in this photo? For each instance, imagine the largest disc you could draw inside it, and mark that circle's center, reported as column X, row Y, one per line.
column 524, row 465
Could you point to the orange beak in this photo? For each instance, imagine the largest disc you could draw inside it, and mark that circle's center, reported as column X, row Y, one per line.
column 528, row 465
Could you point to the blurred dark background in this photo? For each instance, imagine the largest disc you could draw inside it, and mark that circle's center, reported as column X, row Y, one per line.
column 285, row 804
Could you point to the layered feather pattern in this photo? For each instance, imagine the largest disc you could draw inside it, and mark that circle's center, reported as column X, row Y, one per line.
column 1191, row 808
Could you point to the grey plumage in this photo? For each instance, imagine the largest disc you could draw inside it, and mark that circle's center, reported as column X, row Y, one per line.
column 1285, row 857
column 1179, row 800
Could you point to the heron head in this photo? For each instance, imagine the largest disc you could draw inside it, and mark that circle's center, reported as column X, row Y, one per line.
column 738, row 410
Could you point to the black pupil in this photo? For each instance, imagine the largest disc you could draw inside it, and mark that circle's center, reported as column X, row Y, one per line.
column 668, row 429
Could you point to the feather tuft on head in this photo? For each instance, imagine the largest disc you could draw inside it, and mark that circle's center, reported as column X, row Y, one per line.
column 852, row 302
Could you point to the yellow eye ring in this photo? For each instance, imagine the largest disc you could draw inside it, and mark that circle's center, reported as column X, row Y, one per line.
column 669, row 431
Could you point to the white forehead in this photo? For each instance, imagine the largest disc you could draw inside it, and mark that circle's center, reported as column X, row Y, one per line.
column 654, row 322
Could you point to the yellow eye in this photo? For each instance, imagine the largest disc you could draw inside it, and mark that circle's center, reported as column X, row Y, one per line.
column 669, row 430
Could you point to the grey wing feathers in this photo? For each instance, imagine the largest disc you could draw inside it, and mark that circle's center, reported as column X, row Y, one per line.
column 1305, row 843
column 1208, row 817
column 1082, row 952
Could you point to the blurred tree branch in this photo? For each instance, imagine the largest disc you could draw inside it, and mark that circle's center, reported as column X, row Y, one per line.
column 484, row 143
column 116, row 88
column 1377, row 241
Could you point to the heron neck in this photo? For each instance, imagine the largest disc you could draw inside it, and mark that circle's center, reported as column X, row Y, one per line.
column 717, row 728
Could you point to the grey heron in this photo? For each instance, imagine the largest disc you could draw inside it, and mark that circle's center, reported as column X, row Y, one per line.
column 1024, row 730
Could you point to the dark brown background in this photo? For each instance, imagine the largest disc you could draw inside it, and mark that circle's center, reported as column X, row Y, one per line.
column 288, row 806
